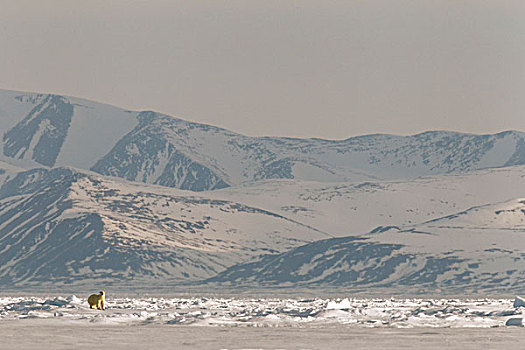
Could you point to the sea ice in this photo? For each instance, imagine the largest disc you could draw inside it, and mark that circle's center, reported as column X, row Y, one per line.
column 255, row 312
column 519, row 301
column 514, row 321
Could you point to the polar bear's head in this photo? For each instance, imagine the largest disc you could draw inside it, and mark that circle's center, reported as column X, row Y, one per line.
column 102, row 293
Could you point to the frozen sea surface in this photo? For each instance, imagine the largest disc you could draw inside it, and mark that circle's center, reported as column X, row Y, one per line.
column 66, row 322
column 302, row 313
column 41, row 334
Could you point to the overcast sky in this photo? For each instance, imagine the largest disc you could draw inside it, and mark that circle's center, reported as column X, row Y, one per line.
column 329, row 69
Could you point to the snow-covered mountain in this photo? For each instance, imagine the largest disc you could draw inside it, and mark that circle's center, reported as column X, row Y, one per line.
column 155, row 148
column 474, row 241
column 68, row 226
column 91, row 192
column 480, row 249
column 62, row 225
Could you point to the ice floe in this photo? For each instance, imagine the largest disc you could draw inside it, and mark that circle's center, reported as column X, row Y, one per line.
column 515, row 321
column 519, row 301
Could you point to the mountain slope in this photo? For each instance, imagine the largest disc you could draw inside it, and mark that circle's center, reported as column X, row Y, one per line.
column 508, row 215
column 65, row 226
column 348, row 261
column 358, row 207
column 147, row 155
column 422, row 258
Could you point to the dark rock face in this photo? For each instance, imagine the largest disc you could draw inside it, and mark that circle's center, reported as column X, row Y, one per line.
column 279, row 169
column 41, row 134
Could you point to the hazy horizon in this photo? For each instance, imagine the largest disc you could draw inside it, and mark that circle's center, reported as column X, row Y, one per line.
column 328, row 69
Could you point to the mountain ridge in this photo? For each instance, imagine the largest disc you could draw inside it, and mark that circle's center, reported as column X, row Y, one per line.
column 152, row 147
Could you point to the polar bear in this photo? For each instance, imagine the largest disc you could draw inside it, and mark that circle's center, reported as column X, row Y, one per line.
column 97, row 301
